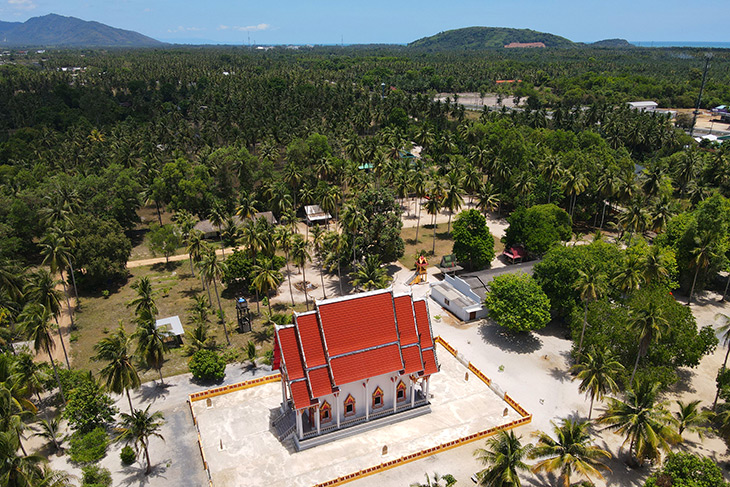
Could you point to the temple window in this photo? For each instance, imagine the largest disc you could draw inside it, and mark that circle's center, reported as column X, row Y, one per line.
column 400, row 392
column 378, row 398
column 325, row 412
column 350, row 405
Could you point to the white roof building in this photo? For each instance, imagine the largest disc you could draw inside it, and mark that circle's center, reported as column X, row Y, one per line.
column 644, row 106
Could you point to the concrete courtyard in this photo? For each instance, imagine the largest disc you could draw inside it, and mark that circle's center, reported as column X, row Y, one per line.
column 252, row 455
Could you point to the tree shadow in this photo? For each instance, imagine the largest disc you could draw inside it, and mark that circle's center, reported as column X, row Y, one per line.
column 561, row 375
column 684, row 382
column 138, row 477
column 509, row 342
column 152, row 391
column 166, row 267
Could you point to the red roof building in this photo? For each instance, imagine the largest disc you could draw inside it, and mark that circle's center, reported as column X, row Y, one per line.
column 355, row 358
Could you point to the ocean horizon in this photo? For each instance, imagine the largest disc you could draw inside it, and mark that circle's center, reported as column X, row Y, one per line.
column 709, row 44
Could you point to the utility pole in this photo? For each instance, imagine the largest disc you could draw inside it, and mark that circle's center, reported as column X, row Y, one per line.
column 708, row 56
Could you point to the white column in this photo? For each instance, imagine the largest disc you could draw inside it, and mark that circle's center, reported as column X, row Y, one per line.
column 413, row 392
column 428, row 381
column 300, row 429
column 395, row 394
column 337, row 408
column 283, row 395
column 367, row 399
column 316, row 420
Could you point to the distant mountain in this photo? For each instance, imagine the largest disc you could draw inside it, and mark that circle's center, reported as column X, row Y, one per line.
column 57, row 30
column 612, row 43
column 488, row 38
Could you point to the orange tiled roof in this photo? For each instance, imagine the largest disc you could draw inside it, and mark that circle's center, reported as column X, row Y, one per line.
column 353, row 338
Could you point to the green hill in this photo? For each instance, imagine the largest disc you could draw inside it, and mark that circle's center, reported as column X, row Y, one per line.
column 470, row 38
column 612, row 43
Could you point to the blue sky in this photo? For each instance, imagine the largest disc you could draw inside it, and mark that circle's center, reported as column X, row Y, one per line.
column 330, row 21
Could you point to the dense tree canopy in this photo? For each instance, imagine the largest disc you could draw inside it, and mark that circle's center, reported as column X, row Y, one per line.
column 517, row 302
column 538, row 228
column 473, row 244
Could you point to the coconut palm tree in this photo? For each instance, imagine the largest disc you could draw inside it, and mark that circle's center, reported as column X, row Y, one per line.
column 335, row 242
column 453, row 201
column 284, row 241
column 56, row 254
column 370, row 274
column 195, row 246
column 138, row 428
column 18, row 470
column 119, row 372
column 630, row 276
column 655, row 265
column 35, row 325
column 691, row 418
column 433, row 206
column 13, row 416
column 596, row 371
column 503, row 458
column 144, row 303
column 300, row 256
column 253, row 238
column 212, row 270
column 590, row 286
column 41, row 289
column 267, row 278
column 487, row 198
column 151, row 344
column 571, row 452
column 317, row 241
column 724, row 332
column 702, row 255
column 650, row 323
column 643, row 421
column 50, row 431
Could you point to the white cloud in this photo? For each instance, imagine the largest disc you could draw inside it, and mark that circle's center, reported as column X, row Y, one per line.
column 22, row 4
column 248, row 28
column 180, row 28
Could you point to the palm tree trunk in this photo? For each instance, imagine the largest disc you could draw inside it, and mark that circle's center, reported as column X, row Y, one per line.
column 207, row 288
column 321, row 278
column 583, row 331
column 129, row 398
column 590, row 411
column 268, row 302
column 418, row 222
column 68, row 305
column 433, row 248
column 339, row 277
column 68, row 365
column 636, row 365
column 55, row 373
column 192, row 269
column 162, row 381
column 220, row 309
column 147, row 457
column 448, row 226
column 288, row 275
column 603, row 214
column 73, row 280
column 692, row 290
column 25, row 453
column 304, row 286
column 159, row 216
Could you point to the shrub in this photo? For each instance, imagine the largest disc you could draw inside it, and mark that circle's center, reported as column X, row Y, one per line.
column 89, row 447
column 128, row 455
column 87, row 406
column 207, row 365
column 96, row 476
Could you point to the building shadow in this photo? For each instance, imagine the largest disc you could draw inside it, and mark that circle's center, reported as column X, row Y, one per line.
column 507, row 341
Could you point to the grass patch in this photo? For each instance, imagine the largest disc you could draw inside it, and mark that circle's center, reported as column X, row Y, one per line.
column 444, row 244
column 175, row 287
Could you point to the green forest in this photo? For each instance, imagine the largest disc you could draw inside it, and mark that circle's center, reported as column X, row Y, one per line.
column 137, row 146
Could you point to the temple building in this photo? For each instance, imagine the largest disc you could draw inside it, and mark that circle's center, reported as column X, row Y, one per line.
column 354, row 361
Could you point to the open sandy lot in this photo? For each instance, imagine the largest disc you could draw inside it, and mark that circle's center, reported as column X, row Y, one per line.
column 252, row 455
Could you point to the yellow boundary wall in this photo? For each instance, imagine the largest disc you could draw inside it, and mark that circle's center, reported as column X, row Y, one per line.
column 524, row 419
